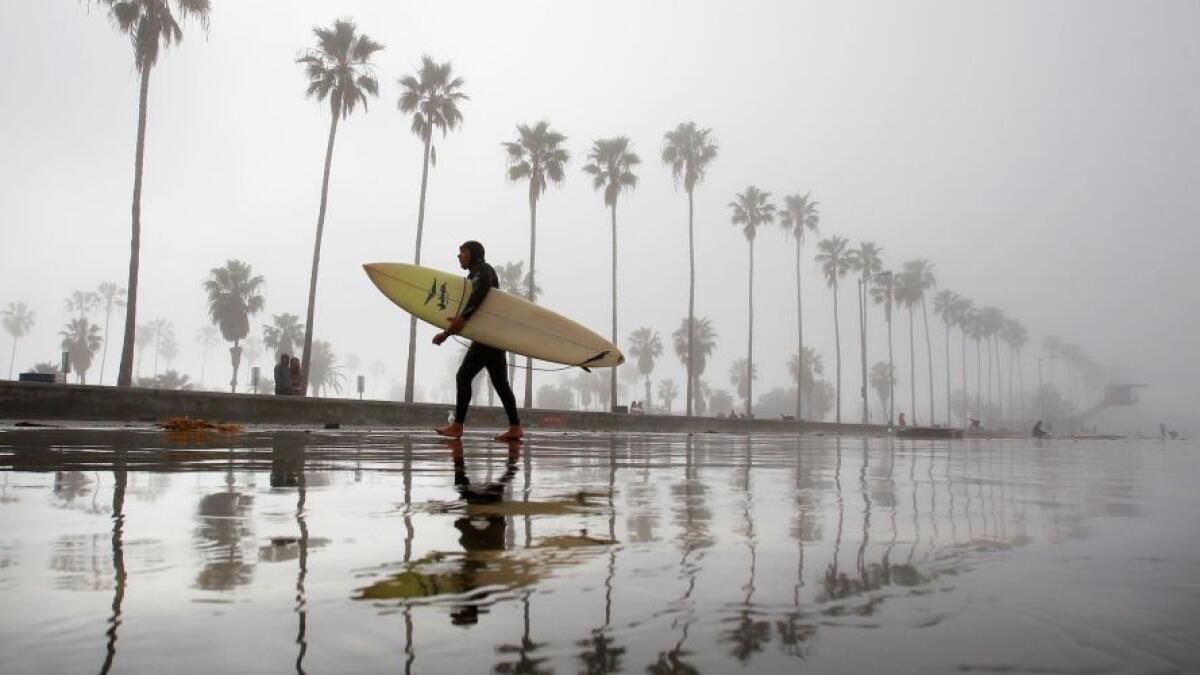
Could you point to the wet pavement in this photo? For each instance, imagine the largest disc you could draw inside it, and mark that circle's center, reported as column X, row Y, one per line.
column 277, row 551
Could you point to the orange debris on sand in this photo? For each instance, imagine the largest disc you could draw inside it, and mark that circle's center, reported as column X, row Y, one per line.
column 196, row 424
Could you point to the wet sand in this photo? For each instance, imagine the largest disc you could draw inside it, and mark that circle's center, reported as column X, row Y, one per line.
column 390, row 551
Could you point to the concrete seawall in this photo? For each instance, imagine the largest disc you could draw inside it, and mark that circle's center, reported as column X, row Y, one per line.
column 38, row 401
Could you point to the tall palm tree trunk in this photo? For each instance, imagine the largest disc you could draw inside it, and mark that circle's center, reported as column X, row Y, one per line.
column 1011, row 410
column 948, row 416
column 235, row 355
column 410, row 376
column 989, row 385
column 750, row 340
column 1021, row 384
column 12, row 358
column 104, row 354
column 800, row 338
column 203, row 363
column 691, row 341
column 999, row 379
column 978, row 379
column 928, row 357
column 912, row 370
column 966, row 408
column 862, row 334
column 837, row 345
column 312, row 283
column 613, row 394
column 529, row 292
column 125, row 371
column 891, row 367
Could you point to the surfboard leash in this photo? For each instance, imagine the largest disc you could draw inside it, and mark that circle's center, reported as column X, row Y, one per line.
column 581, row 365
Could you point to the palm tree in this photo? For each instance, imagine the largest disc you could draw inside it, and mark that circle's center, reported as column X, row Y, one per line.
column 921, row 280
column 866, row 261
column 537, row 156
column 84, row 302
column 145, row 337
column 991, row 322
column 161, row 329
column 805, row 369
column 973, row 324
column 835, row 262
column 646, row 346
column 151, row 25
column 1016, row 336
column 944, row 304
column 234, row 295
column 799, row 214
column 883, row 379
column 883, row 293
column 81, row 339
column 961, row 312
column 18, row 320
column 284, row 333
column 207, row 337
column 751, row 210
column 695, row 352
column 339, row 69
column 667, row 393
column 110, row 295
column 326, row 372
column 689, row 151
column 433, row 97
column 610, row 164
column 742, row 375
column 511, row 276
column 907, row 293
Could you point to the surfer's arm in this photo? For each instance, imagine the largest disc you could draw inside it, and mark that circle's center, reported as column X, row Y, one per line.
column 482, row 285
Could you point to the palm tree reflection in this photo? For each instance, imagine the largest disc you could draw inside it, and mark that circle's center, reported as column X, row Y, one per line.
column 750, row 633
column 224, row 526
column 120, row 478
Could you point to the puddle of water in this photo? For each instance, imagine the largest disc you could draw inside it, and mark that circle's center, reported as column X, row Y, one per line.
column 138, row 551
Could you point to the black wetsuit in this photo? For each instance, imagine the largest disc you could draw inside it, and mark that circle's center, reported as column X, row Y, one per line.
column 479, row 355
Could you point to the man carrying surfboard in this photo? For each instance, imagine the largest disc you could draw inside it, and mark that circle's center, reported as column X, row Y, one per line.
column 479, row 356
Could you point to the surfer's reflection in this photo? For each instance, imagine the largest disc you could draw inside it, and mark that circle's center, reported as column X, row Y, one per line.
column 478, row 532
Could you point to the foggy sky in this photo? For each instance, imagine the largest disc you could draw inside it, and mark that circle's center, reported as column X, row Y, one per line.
column 1044, row 156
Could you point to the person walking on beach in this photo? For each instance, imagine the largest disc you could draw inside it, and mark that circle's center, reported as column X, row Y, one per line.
column 294, row 371
column 479, row 356
column 283, row 376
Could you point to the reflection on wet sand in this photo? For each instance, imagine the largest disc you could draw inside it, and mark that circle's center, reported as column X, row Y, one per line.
column 594, row 553
column 488, row 566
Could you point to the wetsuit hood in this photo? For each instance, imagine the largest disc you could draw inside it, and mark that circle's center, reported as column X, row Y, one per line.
column 475, row 249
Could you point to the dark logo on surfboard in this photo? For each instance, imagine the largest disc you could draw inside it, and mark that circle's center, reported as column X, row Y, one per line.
column 440, row 294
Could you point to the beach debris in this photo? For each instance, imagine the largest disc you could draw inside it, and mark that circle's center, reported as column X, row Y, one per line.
column 186, row 423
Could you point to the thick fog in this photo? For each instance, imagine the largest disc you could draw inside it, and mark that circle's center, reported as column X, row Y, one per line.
column 1044, row 157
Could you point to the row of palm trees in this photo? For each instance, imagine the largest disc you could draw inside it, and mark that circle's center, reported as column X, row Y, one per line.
column 340, row 73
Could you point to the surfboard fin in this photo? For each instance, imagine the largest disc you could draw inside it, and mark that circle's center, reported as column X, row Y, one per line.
column 583, row 364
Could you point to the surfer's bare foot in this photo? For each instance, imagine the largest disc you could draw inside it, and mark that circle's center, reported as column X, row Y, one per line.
column 452, row 430
column 514, row 433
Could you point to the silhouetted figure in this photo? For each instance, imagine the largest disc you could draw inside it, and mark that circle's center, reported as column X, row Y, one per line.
column 1038, row 431
column 902, row 421
column 297, row 384
column 479, row 356
column 283, row 376
column 975, row 425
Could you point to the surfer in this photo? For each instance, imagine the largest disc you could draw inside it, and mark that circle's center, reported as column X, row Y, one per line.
column 479, row 356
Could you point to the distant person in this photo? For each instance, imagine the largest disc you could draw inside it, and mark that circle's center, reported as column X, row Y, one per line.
column 975, row 426
column 297, row 385
column 902, row 421
column 1038, row 431
column 283, row 376
column 479, row 356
